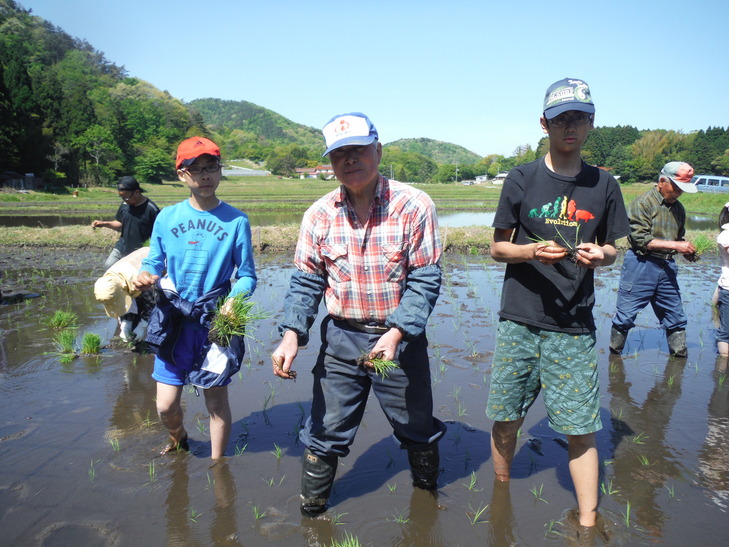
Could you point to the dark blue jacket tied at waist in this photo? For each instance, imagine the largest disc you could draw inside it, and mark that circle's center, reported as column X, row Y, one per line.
column 213, row 365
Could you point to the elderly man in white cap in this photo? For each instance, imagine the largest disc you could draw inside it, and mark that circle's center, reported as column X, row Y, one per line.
column 649, row 274
column 371, row 249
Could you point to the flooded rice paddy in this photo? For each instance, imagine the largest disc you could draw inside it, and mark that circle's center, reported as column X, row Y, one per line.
column 79, row 441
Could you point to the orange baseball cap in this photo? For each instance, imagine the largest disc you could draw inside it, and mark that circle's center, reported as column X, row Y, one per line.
column 194, row 147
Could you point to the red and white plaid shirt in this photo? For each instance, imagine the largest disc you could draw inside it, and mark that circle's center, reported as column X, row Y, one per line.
column 366, row 267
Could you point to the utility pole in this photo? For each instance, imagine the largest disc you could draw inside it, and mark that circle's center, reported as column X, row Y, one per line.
column 456, row 173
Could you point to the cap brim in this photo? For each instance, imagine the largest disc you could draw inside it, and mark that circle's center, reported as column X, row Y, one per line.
column 351, row 141
column 566, row 107
column 688, row 187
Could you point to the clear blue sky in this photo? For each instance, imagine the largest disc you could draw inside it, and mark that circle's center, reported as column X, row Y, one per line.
column 468, row 72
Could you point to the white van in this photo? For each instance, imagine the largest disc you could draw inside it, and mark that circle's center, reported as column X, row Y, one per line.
column 711, row 183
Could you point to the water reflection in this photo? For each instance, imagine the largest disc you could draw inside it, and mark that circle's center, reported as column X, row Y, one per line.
column 644, row 464
column 714, row 454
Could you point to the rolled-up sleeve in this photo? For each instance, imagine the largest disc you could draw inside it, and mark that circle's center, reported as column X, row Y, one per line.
column 301, row 304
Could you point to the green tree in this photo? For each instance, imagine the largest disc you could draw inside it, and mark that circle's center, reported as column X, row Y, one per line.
column 98, row 144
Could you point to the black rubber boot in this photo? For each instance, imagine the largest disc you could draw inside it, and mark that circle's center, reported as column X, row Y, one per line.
column 617, row 340
column 317, row 477
column 677, row 343
column 425, row 466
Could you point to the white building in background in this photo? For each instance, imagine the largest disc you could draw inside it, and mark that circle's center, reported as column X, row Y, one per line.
column 499, row 179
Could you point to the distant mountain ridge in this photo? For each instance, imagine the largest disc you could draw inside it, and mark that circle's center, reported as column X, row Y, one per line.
column 225, row 116
column 438, row 151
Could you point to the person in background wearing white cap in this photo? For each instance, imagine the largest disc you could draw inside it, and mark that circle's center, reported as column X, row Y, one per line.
column 371, row 249
column 202, row 243
column 649, row 273
column 557, row 220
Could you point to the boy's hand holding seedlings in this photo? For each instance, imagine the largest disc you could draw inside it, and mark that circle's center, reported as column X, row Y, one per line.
column 548, row 252
column 591, row 255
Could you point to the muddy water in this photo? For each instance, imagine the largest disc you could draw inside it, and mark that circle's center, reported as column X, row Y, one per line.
column 79, row 441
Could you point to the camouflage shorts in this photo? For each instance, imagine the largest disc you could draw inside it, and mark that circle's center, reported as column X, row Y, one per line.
column 529, row 359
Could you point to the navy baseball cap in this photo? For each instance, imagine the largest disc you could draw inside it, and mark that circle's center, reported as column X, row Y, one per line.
column 565, row 95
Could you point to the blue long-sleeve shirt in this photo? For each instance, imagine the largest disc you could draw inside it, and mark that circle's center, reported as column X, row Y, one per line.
column 201, row 250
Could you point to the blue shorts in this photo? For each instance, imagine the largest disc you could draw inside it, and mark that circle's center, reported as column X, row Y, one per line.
column 722, row 333
column 529, row 359
column 189, row 345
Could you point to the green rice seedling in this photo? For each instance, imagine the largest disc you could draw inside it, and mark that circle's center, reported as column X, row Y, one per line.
column 257, row 513
column 474, row 515
column 390, row 460
column 639, row 438
column 63, row 320
column 336, row 518
column 277, row 451
column 400, row 518
column 670, row 381
column 240, row 449
column 201, row 427
column 271, row 482
column 538, row 493
column 617, row 415
column 380, row 366
column 348, row 541
column 671, row 491
column 626, row 515
column 702, row 243
column 90, row 344
column 240, row 313
column 472, row 483
column 550, row 528
column 114, row 444
column 643, row 459
column 461, row 408
column 392, row 487
column 721, row 380
column 65, row 341
column 148, row 420
column 607, row 488
column 194, row 515
column 152, row 472
column 92, row 471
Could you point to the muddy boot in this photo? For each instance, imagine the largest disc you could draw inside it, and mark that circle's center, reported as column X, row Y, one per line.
column 317, row 477
column 617, row 340
column 425, row 465
column 677, row 343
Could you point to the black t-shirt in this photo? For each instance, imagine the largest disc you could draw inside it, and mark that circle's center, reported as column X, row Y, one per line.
column 137, row 222
column 541, row 205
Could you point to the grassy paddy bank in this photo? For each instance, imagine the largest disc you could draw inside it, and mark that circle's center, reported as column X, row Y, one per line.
column 275, row 194
column 266, row 239
column 256, row 194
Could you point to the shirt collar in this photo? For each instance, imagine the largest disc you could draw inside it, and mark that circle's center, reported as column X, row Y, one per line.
column 383, row 185
column 661, row 199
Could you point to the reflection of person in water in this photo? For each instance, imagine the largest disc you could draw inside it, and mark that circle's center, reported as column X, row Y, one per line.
column 642, row 468
column 714, row 454
column 178, row 507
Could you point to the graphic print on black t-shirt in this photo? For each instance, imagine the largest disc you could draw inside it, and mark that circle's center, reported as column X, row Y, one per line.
column 562, row 211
